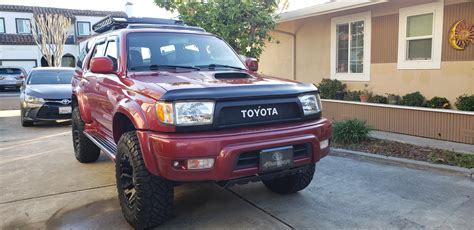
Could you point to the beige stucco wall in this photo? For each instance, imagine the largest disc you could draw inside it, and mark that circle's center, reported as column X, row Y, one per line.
column 313, row 60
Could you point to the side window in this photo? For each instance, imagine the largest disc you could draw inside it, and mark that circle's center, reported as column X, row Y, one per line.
column 99, row 50
column 82, row 55
column 111, row 52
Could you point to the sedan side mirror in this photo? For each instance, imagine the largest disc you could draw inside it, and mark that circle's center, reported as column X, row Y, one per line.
column 102, row 65
column 252, row 64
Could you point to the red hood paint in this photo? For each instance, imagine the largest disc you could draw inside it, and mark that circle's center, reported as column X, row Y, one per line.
column 166, row 81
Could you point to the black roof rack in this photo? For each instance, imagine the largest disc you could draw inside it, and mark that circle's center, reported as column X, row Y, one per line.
column 163, row 26
column 110, row 23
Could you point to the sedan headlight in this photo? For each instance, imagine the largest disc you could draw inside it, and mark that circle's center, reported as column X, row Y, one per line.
column 31, row 99
column 310, row 103
column 186, row 113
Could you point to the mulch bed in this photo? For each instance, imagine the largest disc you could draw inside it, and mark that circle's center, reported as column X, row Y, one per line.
column 414, row 152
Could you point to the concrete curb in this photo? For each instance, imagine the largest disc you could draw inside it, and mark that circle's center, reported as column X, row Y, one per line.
column 459, row 171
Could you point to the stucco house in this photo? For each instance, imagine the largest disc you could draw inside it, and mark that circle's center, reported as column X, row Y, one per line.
column 393, row 47
column 17, row 46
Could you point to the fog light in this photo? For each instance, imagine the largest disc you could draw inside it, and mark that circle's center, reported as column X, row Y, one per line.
column 200, row 163
column 176, row 164
column 324, row 144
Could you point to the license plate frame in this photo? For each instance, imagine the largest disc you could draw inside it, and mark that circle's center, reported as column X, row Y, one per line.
column 276, row 158
column 65, row 110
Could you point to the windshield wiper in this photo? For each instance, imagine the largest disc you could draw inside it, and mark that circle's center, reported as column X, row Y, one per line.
column 213, row 66
column 157, row 67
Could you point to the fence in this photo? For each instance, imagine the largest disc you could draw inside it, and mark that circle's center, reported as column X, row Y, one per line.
column 449, row 125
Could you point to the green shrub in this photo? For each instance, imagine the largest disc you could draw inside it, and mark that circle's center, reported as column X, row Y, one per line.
column 465, row 102
column 350, row 131
column 328, row 88
column 352, row 96
column 378, row 99
column 413, row 99
column 438, row 102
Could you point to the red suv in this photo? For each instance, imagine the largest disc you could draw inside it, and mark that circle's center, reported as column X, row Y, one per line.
column 170, row 103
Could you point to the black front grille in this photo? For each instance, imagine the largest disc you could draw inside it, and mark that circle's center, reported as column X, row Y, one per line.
column 247, row 113
column 51, row 111
column 252, row 159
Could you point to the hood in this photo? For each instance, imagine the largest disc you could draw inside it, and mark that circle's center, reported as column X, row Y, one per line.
column 52, row 91
column 205, row 82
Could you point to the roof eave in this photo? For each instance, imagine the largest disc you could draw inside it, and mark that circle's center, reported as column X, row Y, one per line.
column 326, row 8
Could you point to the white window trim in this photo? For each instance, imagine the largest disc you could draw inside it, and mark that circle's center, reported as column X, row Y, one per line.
column 77, row 26
column 435, row 63
column 365, row 76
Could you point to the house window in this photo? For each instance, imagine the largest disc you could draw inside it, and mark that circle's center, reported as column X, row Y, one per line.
column 23, row 26
column 350, row 47
column 2, row 25
column 420, row 34
column 83, row 28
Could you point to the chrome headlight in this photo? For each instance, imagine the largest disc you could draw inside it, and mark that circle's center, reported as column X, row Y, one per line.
column 311, row 103
column 186, row 113
column 31, row 99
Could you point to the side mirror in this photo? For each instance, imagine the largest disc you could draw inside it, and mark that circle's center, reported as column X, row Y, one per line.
column 102, row 65
column 252, row 64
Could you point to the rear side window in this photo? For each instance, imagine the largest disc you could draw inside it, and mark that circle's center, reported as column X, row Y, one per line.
column 14, row 71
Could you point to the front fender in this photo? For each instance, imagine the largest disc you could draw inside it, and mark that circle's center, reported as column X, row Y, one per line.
column 134, row 112
column 136, row 115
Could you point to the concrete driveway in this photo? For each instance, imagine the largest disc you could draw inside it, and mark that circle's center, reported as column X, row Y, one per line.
column 44, row 187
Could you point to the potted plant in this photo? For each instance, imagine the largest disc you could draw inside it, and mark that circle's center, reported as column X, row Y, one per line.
column 392, row 98
column 365, row 94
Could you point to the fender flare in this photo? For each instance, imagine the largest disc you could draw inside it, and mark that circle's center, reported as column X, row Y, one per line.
column 83, row 104
column 136, row 115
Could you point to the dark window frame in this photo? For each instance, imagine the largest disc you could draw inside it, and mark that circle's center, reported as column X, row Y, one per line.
column 113, row 39
column 4, row 26
column 77, row 28
column 16, row 23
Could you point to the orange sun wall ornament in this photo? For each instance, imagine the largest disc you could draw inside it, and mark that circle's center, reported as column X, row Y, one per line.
column 461, row 35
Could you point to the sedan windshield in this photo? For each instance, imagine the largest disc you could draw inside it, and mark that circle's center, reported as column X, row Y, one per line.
column 41, row 77
column 150, row 51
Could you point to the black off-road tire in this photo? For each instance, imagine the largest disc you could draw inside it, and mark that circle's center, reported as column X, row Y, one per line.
column 84, row 149
column 153, row 199
column 292, row 183
column 23, row 122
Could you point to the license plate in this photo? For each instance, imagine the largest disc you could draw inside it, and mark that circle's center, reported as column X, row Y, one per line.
column 65, row 110
column 276, row 158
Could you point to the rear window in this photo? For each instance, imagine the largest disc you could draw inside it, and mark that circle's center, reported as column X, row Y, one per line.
column 10, row 71
column 50, row 77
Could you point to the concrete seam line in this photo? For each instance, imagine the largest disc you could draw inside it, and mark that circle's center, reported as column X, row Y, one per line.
column 32, row 155
column 54, row 194
column 33, row 140
column 402, row 161
column 261, row 209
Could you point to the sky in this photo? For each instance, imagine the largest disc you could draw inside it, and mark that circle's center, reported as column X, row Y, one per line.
column 141, row 8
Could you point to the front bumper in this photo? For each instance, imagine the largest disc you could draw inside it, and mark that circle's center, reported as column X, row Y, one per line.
column 160, row 150
column 44, row 112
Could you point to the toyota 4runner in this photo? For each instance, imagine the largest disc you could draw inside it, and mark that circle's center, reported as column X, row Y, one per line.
column 170, row 103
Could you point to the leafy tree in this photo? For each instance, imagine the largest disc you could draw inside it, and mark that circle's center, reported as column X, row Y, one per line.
column 244, row 24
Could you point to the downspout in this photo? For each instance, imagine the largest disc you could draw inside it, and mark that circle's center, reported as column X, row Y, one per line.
column 293, row 35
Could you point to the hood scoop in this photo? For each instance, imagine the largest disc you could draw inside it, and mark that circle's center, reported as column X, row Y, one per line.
column 232, row 75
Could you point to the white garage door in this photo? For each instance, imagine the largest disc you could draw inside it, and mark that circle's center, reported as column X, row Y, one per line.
column 26, row 64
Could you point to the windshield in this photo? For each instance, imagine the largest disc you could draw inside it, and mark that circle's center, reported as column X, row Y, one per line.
column 15, row 71
column 176, row 50
column 50, row 77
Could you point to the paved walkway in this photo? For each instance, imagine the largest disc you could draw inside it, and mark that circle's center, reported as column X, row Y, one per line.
column 439, row 144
